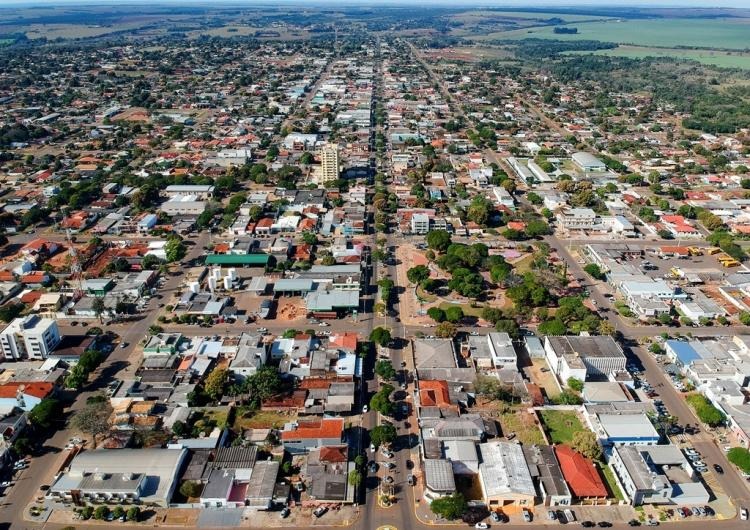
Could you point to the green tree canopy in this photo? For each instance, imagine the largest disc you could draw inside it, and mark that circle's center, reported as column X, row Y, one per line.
column 450, row 507
column 382, row 434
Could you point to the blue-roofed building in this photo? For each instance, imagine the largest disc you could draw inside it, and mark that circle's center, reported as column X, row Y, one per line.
column 681, row 353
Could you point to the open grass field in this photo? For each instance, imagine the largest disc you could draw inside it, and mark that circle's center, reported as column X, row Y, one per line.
column 719, row 58
column 611, row 481
column 257, row 419
column 703, row 33
column 487, row 15
column 561, row 425
column 237, row 30
column 467, row 309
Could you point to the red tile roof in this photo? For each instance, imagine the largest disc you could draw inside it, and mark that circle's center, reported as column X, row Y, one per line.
column 337, row 453
column 326, row 428
column 38, row 390
column 346, row 341
column 434, row 394
column 580, row 473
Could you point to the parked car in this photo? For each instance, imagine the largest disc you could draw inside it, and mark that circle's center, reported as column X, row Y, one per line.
column 587, row 524
column 604, row 524
column 495, row 517
column 123, row 345
column 526, row 515
column 551, row 515
column 389, row 465
column 634, row 522
column 411, row 480
column 743, row 514
column 718, row 469
column 365, row 408
column 652, row 522
column 709, row 511
column 319, row 511
column 285, row 513
column 481, row 526
column 372, row 467
column 6, row 484
column 694, row 510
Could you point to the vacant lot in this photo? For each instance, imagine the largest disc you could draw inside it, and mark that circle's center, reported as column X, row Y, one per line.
column 256, row 419
column 561, row 425
column 702, row 33
column 524, row 425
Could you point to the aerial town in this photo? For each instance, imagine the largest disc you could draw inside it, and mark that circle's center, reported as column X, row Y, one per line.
column 364, row 282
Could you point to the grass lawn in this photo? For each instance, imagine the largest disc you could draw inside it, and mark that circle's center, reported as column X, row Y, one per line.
column 609, row 478
column 524, row 425
column 424, row 295
column 561, row 425
column 467, row 309
column 523, row 264
column 258, row 419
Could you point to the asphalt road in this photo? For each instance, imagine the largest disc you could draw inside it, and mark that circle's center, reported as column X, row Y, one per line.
column 118, row 363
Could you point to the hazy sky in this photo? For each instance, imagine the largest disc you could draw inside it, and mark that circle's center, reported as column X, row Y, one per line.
column 453, row 3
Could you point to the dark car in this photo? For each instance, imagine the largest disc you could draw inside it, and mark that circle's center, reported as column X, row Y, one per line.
column 409, row 464
column 718, row 469
column 634, row 522
column 372, row 467
column 587, row 524
column 604, row 524
column 709, row 511
column 319, row 511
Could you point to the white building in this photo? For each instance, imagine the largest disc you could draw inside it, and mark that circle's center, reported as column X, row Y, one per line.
column 583, row 357
column 504, row 475
column 329, row 162
column 199, row 191
column 588, row 163
column 577, row 219
column 183, row 205
column 30, row 337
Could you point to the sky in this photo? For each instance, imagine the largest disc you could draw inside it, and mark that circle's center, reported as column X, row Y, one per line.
column 451, row 3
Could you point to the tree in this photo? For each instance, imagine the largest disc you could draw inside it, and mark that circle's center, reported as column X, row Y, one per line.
column 101, row 513
column 705, row 411
column 479, row 210
column 175, row 249
column 745, row 318
column 215, row 383
column 98, row 307
column 466, row 283
column 418, row 274
column 607, row 328
column 593, row 270
column 586, row 443
column 575, row 384
column 553, row 327
column 382, row 434
column 454, row 314
column 134, row 513
column 118, row 512
column 534, row 198
column 10, row 311
column 438, row 240
column 536, row 228
column 309, row 238
column 92, row 420
column 381, row 336
column 45, row 413
column 446, row 330
column 381, row 401
column 385, row 370
column 355, row 478
column 179, row 428
column 450, row 507
column 191, row 489
column 436, row 314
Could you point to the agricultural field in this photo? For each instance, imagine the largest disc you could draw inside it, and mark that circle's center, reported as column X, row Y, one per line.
column 81, row 31
column 719, row 58
column 702, row 33
column 236, row 30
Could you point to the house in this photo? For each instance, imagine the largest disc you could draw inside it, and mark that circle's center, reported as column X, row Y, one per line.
column 438, row 479
column 301, row 436
column 504, row 475
column 251, row 355
column 657, row 474
column 25, row 396
column 138, row 476
column 326, row 474
column 580, row 473
column 547, row 475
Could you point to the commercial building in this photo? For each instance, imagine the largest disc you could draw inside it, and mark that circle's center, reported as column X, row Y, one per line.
column 29, row 337
column 120, row 476
column 588, row 163
column 619, row 428
column 438, row 479
column 199, row 191
column 583, row 357
column 504, row 475
column 657, row 474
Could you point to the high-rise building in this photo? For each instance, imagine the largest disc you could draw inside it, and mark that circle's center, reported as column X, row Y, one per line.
column 329, row 162
column 30, row 337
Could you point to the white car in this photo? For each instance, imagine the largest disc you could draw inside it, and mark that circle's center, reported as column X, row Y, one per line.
column 365, row 408
column 743, row 514
column 5, row 484
column 483, row 526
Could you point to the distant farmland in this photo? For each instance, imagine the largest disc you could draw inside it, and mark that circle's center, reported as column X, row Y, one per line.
column 702, row 33
column 711, row 57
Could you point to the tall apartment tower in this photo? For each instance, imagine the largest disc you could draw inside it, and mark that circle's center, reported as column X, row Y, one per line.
column 329, row 162
column 29, row 337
